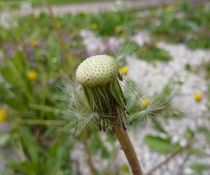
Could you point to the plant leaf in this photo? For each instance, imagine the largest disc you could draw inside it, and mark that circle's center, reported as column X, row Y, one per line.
column 161, row 145
column 199, row 168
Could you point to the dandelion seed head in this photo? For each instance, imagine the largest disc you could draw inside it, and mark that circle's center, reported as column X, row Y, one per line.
column 97, row 70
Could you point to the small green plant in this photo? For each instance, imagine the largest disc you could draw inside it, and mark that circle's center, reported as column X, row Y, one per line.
column 151, row 53
column 187, row 24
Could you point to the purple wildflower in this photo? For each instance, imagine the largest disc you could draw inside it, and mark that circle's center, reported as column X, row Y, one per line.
column 113, row 44
column 9, row 50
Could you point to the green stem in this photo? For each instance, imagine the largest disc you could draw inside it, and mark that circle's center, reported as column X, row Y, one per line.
column 89, row 160
column 58, row 30
column 41, row 122
column 128, row 149
column 45, row 108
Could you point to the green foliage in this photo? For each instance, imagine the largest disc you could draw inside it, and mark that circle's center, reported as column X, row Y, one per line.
column 97, row 145
column 205, row 132
column 161, row 145
column 119, row 23
column 39, row 160
column 199, row 168
column 44, row 149
column 187, row 24
column 16, row 3
column 106, row 23
column 124, row 169
column 151, row 53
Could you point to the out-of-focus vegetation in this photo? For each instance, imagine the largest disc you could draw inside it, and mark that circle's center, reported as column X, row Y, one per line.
column 15, row 3
column 39, row 55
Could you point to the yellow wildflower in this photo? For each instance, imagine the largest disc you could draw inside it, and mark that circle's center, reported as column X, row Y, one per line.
column 3, row 115
column 169, row 8
column 32, row 75
column 57, row 25
column 198, row 96
column 144, row 103
column 34, row 43
column 123, row 70
column 94, row 26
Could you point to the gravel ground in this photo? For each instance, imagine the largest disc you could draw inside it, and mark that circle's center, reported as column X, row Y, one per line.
column 151, row 78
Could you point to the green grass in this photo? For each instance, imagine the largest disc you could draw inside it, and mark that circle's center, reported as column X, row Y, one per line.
column 191, row 28
column 16, row 3
column 151, row 53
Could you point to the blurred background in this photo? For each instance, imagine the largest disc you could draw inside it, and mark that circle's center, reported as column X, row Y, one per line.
column 164, row 59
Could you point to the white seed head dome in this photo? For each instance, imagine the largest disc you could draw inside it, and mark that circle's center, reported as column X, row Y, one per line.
column 97, row 70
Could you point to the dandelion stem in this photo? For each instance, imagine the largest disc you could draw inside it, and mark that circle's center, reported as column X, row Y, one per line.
column 128, row 149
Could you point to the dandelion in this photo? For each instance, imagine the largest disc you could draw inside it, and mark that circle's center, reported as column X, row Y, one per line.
column 94, row 26
column 3, row 115
column 98, row 76
column 34, row 43
column 144, row 103
column 58, row 25
column 198, row 96
column 169, row 8
column 32, row 75
column 123, row 70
